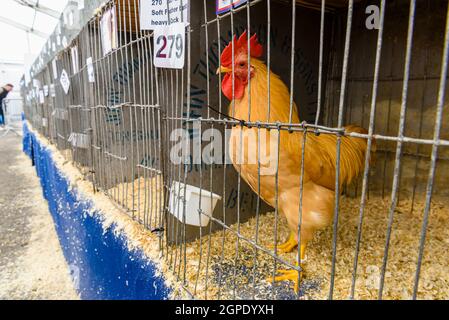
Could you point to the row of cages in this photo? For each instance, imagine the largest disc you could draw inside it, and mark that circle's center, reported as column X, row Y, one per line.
column 321, row 123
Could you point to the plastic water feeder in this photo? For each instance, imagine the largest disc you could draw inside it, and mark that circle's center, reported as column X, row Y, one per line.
column 192, row 204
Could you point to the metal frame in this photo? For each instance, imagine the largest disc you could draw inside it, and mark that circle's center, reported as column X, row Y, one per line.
column 131, row 99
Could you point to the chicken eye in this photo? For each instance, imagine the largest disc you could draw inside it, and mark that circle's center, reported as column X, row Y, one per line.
column 241, row 64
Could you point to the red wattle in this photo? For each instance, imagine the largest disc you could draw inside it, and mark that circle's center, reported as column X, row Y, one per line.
column 226, row 87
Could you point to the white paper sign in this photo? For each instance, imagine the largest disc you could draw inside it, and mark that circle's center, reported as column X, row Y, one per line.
column 79, row 140
column 54, row 66
column 46, row 91
column 80, row 4
column 52, row 91
column 64, row 42
column 75, row 61
column 169, row 46
column 41, row 97
column 58, row 40
column 108, row 27
column 155, row 13
column 90, row 70
column 65, row 81
column 44, row 122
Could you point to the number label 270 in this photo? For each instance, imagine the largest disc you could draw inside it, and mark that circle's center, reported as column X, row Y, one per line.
column 169, row 46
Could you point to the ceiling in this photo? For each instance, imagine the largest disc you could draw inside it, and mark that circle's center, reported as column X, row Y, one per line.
column 16, row 44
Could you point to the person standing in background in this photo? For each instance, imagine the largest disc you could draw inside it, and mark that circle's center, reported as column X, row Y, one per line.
column 4, row 91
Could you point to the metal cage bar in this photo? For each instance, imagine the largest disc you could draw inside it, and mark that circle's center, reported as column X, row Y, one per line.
column 120, row 130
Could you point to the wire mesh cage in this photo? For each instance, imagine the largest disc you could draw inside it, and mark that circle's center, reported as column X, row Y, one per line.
column 321, row 123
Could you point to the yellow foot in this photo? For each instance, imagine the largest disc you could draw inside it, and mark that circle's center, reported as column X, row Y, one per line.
column 287, row 246
column 287, row 275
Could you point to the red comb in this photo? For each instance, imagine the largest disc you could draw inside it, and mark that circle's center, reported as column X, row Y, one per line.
column 241, row 45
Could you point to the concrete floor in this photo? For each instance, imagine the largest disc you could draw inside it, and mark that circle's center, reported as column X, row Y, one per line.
column 32, row 265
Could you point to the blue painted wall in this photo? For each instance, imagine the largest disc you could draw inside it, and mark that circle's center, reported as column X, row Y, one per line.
column 101, row 263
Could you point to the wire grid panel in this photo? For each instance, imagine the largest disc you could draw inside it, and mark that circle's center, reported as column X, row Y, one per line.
column 222, row 268
column 148, row 130
column 127, row 117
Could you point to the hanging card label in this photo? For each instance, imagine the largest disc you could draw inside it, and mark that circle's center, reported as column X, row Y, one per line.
column 75, row 61
column 41, row 97
column 226, row 5
column 52, row 91
column 46, row 91
column 108, row 27
column 65, row 81
column 55, row 69
column 90, row 70
column 79, row 140
column 156, row 13
column 169, row 46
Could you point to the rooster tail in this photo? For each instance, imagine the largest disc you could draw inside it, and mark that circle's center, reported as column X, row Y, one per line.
column 357, row 129
column 353, row 152
column 321, row 157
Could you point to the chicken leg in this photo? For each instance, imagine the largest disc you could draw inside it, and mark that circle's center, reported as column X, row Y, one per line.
column 290, row 275
column 289, row 245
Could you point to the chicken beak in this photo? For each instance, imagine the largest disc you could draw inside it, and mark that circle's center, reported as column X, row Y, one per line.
column 223, row 70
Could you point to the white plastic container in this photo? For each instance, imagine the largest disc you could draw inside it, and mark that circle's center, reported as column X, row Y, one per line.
column 192, row 199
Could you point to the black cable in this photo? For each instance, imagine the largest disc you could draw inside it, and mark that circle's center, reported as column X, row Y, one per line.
column 242, row 122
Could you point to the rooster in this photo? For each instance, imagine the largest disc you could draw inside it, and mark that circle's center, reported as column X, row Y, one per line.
column 283, row 169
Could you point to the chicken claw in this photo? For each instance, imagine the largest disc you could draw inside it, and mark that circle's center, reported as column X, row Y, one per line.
column 285, row 275
column 287, row 246
column 291, row 275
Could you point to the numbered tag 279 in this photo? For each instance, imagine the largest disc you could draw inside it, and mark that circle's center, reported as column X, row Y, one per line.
column 169, row 46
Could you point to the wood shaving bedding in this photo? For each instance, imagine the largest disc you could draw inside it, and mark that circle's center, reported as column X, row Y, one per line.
column 216, row 269
column 204, row 276
column 402, row 258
